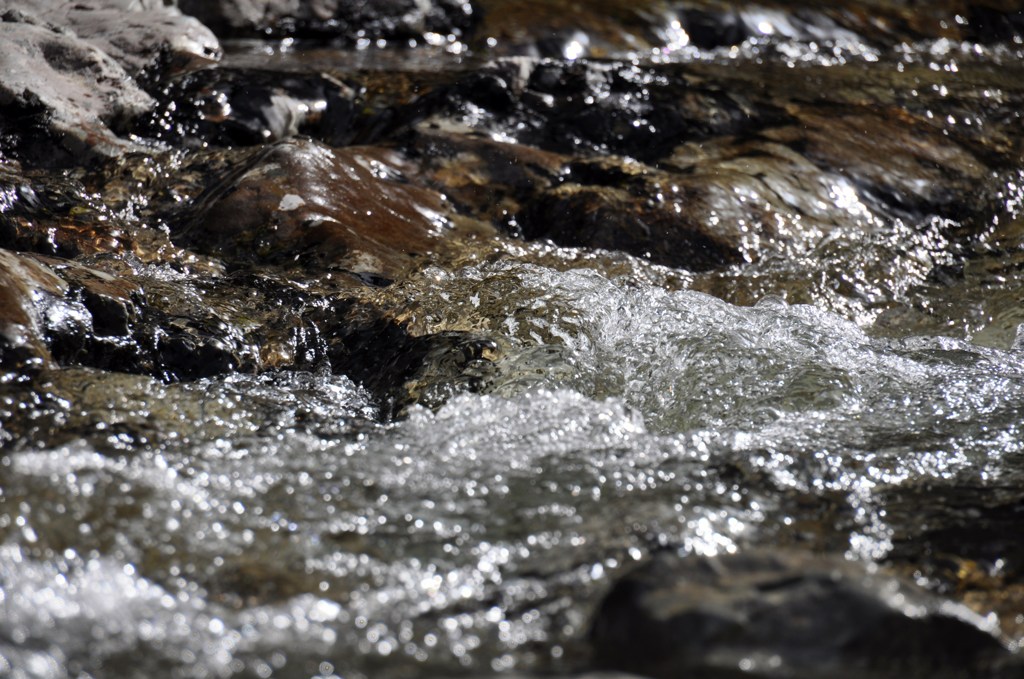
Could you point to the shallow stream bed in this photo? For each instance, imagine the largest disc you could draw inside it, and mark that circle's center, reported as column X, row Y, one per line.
column 385, row 345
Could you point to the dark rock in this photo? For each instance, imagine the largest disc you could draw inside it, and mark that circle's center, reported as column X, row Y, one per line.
column 711, row 28
column 400, row 368
column 613, row 219
column 488, row 179
column 245, row 107
column 595, row 107
column 787, row 614
column 964, row 539
column 298, row 201
column 997, row 21
column 349, row 21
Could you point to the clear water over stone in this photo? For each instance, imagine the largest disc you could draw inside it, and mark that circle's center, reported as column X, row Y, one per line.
column 292, row 530
column 851, row 382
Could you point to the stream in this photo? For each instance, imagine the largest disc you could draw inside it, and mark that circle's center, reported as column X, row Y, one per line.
column 406, row 339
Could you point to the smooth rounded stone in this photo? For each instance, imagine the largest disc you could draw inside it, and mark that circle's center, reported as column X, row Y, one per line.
column 788, row 614
column 348, row 21
column 66, row 89
column 138, row 35
column 298, row 201
column 244, row 107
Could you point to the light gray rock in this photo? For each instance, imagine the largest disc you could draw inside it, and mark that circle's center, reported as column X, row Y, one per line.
column 70, row 69
column 372, row 20
column 136, row 33
column 69, row 86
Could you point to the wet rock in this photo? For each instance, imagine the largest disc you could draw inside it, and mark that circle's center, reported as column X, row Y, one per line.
column 27, row 288
column 710, row 28
column 111, row 301
column 595, row 107
column 68, row 73
column 298, row 201
column 61, row 312
column 924, row 173
column 613, row 219
column 401, row 368
column 539, row 28
column 245, row 107
column 370, row 21
column 787, row 614
column 489, row 179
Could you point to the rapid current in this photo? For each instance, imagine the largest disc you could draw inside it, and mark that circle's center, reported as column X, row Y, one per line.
column 848, row 378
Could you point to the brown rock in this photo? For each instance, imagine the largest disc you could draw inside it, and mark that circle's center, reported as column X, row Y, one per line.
column 25, row 287
column 351, row 208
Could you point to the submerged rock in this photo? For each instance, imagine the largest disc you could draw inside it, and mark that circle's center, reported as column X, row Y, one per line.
column 787, row 614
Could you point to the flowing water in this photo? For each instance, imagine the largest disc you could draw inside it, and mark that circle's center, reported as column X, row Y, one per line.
column 852, row 383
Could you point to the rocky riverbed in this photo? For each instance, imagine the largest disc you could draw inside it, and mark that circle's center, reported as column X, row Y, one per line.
column 444, row 338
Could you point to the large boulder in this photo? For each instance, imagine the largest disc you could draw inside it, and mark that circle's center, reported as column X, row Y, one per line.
column 65, row 90
column 788, row 614
column 138, row 34
column 68, row 72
